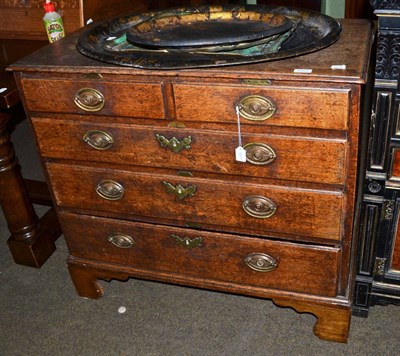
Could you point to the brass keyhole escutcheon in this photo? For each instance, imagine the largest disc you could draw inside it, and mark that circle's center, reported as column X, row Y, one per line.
column 174, row 144
column 187, row 242
column 180, row 191
column 256, row 108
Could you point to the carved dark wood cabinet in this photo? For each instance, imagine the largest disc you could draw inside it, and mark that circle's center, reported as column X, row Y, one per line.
column 378, row 269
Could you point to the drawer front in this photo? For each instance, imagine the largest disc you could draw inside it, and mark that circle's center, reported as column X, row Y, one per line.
column 273, row 156
column 222, row 257
column 94, row 97
column 233, row 204
column 291, row 107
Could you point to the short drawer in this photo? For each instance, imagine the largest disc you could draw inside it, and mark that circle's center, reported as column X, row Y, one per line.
column 291, row 107
column 273, row 156
column 94, row 97
column 256, row 207
column 222, row 257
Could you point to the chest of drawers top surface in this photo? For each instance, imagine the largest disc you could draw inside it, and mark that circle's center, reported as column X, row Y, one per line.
column 351, row 50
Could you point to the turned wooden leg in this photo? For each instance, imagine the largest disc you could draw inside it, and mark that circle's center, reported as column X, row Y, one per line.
column 333, row 321
column 31, row 243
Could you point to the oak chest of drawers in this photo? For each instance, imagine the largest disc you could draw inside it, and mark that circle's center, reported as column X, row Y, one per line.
column 142, row 169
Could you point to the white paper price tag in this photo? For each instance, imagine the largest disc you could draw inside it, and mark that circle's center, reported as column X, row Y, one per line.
column 240, row 154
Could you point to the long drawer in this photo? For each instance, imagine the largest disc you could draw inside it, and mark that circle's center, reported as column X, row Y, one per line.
column 229, row 258
column 290, row 106
column 258, row 207
column 96, row 97
column 278, row 157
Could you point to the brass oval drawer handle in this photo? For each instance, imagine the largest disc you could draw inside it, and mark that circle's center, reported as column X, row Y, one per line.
column 258, row 206
column 256, row 108
column 179, row 191
column 187, row 242
column 261, row 262
column 121, row 240
column 89, row 99
column 174, row 144
column 110, row 190
column 259, row 153
column 98, row 140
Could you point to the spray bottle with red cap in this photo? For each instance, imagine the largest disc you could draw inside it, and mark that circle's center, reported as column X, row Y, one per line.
column 53, row 22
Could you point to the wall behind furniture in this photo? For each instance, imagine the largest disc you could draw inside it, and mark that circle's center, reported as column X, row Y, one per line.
column 334, row 8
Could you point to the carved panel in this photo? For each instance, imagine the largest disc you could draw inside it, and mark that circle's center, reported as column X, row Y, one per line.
column 384, row 300
column 377, row 280
column 369, row 228
column 385, row 4
column 387, row 57
column 374, row 186
column 362, row 298
column 379, row 129
column 388, row 209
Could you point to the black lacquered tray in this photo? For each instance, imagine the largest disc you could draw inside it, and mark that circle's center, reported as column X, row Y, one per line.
column 288, row 32
column 193, row 29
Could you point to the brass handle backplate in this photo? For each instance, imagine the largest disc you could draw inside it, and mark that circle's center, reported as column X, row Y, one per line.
column 89, row 99
column 261, row 262
column 259, row 153
column 187, row 242
column 110, row 190
column 121, row 240
column 98, row 140
column 258, row 206
column 179, row 191
column 174, row 144
column 256, row 108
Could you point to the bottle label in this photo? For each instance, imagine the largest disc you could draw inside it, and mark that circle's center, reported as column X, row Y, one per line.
column 54, row 29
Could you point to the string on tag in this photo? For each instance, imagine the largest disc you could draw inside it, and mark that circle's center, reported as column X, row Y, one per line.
column 238, row 125
column 240, row 152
